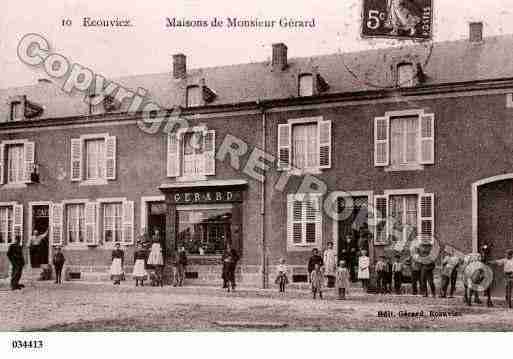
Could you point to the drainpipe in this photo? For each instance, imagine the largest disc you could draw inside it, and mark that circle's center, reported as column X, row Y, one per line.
column 265, row 274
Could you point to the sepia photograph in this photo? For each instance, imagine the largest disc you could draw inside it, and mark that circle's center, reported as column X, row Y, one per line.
column 227, row 167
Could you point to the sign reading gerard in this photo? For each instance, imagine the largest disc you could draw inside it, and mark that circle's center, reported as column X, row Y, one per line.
column 406, row 19
column 217, row 196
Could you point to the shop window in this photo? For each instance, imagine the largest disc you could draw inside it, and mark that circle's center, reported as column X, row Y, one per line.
column 204, row 232
column 400, row 145
column 304, row 143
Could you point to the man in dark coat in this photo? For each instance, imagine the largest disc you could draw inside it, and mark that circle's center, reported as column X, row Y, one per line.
column 230, row 259
column 349, row 249
column 15, row 255
column 58, row 263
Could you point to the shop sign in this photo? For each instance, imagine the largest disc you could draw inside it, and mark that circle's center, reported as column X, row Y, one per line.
column 218, row 196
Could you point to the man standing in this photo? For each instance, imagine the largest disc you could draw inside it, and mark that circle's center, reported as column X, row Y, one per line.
column 15, row 255
column 426, row 271
column 415, row 271
column 181, row 264
column 58, row 263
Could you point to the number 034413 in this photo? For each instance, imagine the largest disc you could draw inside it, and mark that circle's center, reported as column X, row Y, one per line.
column 27, row 344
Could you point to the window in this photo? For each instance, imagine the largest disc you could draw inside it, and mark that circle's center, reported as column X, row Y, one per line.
column 304, row 219
column 306, row 85
column 304, row 143
column 405, row 75
column 15, row 164
column 204, row 231
column 403, row 132
column 193, row 158
column 405, row 141
column 75, row 220
column 6, row 225
column 193, row 96
column 16, row 111
column 17, row 159
column 93, row 158
column 112, row 222
column 305, row 149
column 191, row 153
column 403, row 216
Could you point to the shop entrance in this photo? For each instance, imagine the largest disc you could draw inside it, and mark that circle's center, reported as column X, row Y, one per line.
column 157, row 222
column 353, row 231
column 38, row 245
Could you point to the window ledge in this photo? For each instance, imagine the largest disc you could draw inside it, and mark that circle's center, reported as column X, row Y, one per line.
column 292, row 247
column 79, row 246
column 191, row 178
column 305, row 171
column 14, row 185
column 409, row 167
column 96, row 182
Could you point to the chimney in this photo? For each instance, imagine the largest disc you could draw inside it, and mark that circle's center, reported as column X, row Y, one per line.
column 476, row 31
column 179, row 66
column 279, row 60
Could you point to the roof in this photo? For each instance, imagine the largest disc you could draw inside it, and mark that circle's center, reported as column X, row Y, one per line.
column 443, row 63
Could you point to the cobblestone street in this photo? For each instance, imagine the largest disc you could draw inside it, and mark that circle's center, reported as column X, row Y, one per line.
column 44, row 306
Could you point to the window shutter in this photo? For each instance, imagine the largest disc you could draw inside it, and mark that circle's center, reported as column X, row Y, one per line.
column 381, row 146
column 284, row 137
column 30, row 149
column 2, row 161
column 294, row 220
column 18, row 221
column 426, row 217
column 427, row 139
column 324, row 137
column 209, row 147
column 56, row 215
column 173, row 155
column 90, row 223
column 110, row 157
column 316, row 202
column 76, row 159
column 128, row 222
column 380, row 212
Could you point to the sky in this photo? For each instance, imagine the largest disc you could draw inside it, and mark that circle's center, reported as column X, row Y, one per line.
column 148, row 46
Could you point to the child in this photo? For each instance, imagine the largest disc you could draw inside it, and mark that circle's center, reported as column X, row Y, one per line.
column 139, row 272
column 508, row 274
column 363, row 269
column 281, row 278
column 342, row 280
column 381, row 274
column 397, row 272
column 317, row 278
column 116, row 268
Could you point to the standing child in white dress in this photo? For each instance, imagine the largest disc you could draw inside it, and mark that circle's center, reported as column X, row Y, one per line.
column 363, row 269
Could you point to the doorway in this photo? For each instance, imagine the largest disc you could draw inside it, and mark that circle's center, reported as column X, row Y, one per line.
column 157, row 221
column 39, row 245
column 353, row 233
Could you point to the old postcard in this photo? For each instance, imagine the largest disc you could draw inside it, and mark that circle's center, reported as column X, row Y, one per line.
column 221, row 166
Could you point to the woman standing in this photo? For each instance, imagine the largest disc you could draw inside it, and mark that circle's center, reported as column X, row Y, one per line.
column 116, row 268
column 363, row 270
column 330, row 264
column 156, row 259
column 139, row 272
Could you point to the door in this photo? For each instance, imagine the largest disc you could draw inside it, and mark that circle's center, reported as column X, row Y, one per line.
column 39, row 246
column 353, row 224
column 157, row 222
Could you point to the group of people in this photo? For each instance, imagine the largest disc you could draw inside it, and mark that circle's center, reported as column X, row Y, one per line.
column 389, row 273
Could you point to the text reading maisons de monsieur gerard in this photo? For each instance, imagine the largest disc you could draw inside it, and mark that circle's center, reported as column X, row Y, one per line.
column 235, row 22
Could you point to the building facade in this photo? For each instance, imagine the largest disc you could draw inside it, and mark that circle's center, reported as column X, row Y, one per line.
column 388, row 146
